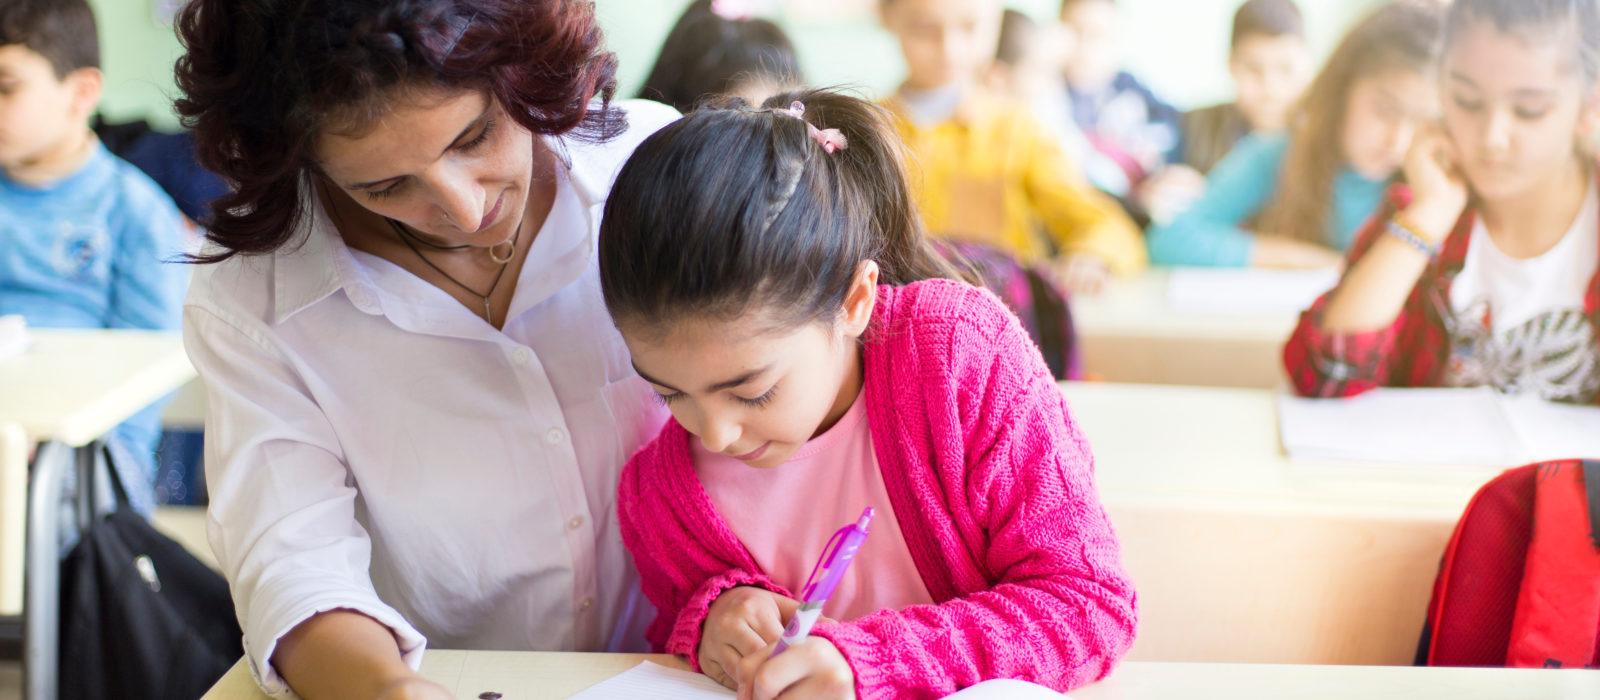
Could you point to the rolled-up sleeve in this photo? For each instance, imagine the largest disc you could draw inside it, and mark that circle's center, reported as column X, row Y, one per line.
column 282, row 517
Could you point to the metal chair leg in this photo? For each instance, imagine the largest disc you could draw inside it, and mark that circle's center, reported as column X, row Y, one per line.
column 41, row 610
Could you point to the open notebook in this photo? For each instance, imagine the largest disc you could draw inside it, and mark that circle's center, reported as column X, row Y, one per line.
column 1222, row 291
column 1465, row 427
column 651, row 681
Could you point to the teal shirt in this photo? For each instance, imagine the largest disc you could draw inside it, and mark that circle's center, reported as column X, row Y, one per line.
column 1211, row 233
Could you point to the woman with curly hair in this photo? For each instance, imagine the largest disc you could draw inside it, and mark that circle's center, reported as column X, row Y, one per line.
column 418, row 406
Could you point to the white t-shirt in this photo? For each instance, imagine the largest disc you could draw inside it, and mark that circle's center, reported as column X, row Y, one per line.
column 1519, row 324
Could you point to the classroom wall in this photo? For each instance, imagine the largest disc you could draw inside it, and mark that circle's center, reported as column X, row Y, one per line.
column 839, row 41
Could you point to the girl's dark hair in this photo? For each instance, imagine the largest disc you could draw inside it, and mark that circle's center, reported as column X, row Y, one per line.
column 1574, row 21
column 706, row 55
column 731, row 211
column 262, row 78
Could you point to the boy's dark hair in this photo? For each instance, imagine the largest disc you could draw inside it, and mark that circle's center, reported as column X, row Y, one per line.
column 262, row 78
column 63, row 31
column 1016, row 29
column 1573, row 21
column 706, row 55
column 1268, row 19
column 732, row 211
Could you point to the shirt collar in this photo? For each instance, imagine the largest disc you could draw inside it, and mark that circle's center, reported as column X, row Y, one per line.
column 321, row 263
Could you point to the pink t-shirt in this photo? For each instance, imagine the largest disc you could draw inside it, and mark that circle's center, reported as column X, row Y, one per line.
column 785, row 516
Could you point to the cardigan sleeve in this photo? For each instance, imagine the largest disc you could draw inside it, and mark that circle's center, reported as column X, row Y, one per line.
column 1060, row 610
column 1211, row 232
column 685, row 559
column 1340, row 365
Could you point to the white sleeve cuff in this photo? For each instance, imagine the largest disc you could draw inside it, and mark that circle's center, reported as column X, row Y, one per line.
column 269, row 623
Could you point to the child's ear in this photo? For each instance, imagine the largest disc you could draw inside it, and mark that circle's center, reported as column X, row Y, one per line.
column 861, row 300
column 87, row 85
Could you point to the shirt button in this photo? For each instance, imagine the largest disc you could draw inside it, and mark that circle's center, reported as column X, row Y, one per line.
column 585, row 604
column 575, row 523
column 555, row 436
column 521, row 356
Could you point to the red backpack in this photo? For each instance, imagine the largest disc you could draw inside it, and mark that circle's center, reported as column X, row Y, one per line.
column 1520, row 582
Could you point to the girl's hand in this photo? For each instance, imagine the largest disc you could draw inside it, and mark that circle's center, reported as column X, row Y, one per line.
column 811, row 670
column 1082, row 274
column 741, row 622
column 416, row 688
column 1438, row 186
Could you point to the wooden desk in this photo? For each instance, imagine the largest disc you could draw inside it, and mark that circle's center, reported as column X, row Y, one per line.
column 535, row 676
column 1129, row 333
column 69, row 389
column 1241, row 555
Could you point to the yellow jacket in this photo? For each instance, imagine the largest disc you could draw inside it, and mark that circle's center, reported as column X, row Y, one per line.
column 993, row 174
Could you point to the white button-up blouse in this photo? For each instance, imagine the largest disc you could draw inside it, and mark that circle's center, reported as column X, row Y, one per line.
column 374, row 445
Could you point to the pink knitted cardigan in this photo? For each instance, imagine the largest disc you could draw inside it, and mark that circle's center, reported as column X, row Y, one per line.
column 992, row 484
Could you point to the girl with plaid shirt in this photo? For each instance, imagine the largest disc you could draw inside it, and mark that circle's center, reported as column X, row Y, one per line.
column 1481, row 270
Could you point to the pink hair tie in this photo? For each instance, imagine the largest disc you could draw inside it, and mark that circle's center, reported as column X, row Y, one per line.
column 830, row 139
column 733, row 10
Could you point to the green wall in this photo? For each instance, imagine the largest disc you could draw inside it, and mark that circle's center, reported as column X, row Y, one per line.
column 1190, row 69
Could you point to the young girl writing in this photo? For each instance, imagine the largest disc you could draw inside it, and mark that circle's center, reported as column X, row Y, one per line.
column 1482, row 270
column 1293, row 201
column 769, row 273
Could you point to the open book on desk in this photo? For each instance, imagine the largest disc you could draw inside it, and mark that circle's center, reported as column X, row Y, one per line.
column 1464, row 427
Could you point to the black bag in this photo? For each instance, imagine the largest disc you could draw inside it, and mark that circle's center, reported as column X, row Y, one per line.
column 140, row 616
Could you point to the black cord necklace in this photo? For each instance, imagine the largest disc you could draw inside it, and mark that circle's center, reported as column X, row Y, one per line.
column 406, row 233
column 488, row 313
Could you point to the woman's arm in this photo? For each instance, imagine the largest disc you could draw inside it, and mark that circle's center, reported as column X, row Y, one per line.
column 282, row 520
column 344, row 654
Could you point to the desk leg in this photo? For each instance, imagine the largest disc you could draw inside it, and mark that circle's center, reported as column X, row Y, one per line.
column 13, row 515
column 41, row 614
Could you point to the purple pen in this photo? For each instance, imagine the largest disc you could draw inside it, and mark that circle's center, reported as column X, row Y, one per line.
column 825, row 577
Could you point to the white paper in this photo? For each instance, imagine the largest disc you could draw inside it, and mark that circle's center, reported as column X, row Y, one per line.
column 1230, row 291
column 1550, row 431
column 652, row 681
column 1466, row 427
column 14, row 338
column 1007, row 690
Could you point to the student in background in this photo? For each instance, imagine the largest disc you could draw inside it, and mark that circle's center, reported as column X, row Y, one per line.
column 1297, row 200
column 1482, row 270
column 1026, row 69
column 85, row 238
column 718, row 48
column 770, row 276
column 1122, row 117
column 1270, row 64
column 989, row 171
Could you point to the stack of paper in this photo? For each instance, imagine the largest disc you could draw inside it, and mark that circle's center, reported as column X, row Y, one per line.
column 1246, row 290
column 650, row 681
column 13, row 336
column 1466, row 427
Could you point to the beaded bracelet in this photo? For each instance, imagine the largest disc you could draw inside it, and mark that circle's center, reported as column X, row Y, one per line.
column 1401, row 229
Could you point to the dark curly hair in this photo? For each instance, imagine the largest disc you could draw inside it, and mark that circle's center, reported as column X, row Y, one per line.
column 260, row 79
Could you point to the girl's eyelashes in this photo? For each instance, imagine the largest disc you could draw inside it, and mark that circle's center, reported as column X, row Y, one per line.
column 759, row 401
column 1531, row 114
column 666, row 399
column 1468, row 105
column 385, row 192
